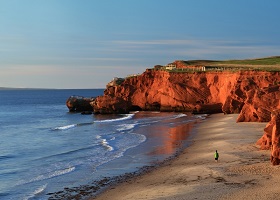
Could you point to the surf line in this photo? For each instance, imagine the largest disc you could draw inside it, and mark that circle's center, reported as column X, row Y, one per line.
column 72, row 126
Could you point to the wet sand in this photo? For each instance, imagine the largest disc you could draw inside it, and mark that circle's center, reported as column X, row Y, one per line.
column 243, row 171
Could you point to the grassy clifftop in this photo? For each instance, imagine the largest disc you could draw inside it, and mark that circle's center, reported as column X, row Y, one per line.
column 259, row 61
column 275, row 60
column 268, row 63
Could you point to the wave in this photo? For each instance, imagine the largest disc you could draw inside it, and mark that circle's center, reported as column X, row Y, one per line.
column 134, row 112
column 126, row 127
column 121, row 148
column 142, row 138
column 180, row 115
column 202, row 116
column 72, row 126
column 65, row 127
column 48, row 175
column 106, row 145
column 36, row 192
column 126, row 117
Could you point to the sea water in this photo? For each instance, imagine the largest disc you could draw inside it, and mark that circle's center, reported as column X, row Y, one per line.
column 44, row 148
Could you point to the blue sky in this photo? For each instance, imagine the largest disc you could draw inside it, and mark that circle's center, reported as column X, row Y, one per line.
column 85, row 43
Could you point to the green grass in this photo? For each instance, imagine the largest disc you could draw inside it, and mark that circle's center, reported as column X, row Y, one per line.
column 275, row 60
column 259, row 61
column 271, row 64
column 199, row 62
column 259, row 64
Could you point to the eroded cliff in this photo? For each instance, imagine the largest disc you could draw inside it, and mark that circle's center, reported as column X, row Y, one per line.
column 203, row 92
column 253, row 94
column 271, row 137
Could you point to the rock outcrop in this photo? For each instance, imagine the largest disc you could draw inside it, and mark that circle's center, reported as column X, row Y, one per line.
column 259, row 104
column 198, row 92
column 79, row 104
column 271, row 138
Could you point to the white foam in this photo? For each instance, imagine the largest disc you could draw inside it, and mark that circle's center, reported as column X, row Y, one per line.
column 120, row 149
column 180, row 115
column 126, row 127
column 143, row 138
column 104, row 141
column 203, row 116
column 38, row 191
column 135, row 112
column 106, row 145
column 127, row 116
column 48, row 175
column 65, row 127
column 110, row 148
column 61, row 172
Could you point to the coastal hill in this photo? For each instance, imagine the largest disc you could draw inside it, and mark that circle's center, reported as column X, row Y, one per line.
column 249, row 87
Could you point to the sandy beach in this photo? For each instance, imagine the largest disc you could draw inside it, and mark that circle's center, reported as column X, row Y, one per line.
column 242, row 172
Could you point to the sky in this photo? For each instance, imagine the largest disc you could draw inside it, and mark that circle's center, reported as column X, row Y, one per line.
column 80, row 44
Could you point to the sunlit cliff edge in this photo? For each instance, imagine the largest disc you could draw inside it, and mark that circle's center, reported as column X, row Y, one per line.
column 248, row 87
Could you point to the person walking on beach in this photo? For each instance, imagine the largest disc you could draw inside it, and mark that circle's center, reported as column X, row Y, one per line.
column 216, row 156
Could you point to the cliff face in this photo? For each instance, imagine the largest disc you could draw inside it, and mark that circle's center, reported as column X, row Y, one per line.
column 253, row 94
column 271, row 137
column 260, row 103
column 204, row 92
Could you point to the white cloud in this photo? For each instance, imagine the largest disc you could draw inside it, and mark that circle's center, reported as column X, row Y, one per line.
column 198, row 48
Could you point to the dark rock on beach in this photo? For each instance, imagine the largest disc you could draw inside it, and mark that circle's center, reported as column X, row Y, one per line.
column 79, row 104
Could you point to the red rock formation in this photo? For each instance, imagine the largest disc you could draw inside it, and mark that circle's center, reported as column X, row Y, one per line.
column 259, row 104
column 210, row 92
column 271, row 137
column 253, row 94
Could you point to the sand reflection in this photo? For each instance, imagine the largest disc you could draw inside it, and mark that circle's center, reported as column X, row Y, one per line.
column 172, row 139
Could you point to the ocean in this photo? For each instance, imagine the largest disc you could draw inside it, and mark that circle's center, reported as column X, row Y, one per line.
column 44, row 149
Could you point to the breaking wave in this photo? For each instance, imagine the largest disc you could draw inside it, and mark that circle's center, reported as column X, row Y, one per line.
column 203, row 116
column 65, row 127
column 106, row 145
column 125, row 127
column 36, row 192
column 71, row 126
column 126, row 117
column 48, row 175
column 180, row 115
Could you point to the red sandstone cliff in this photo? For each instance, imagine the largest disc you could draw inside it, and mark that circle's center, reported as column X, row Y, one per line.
column 260, row 103
column 271, row 138
column 253, row 94
column 204, row 92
